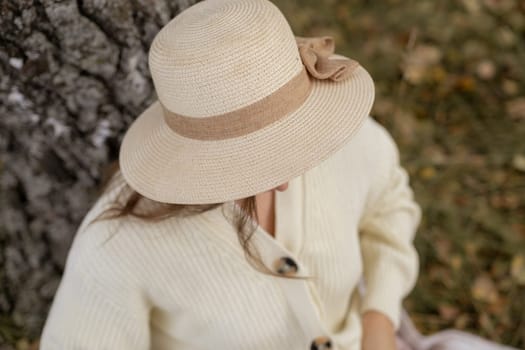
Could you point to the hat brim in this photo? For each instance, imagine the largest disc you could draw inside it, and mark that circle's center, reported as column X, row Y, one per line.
column 167, row 167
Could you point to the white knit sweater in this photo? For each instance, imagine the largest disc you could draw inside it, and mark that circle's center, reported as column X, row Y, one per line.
column 184, row 283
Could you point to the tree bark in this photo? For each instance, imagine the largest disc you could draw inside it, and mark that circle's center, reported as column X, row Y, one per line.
column 73, row 76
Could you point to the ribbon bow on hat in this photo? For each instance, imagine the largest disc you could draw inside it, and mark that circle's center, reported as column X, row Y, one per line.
column 314, row 53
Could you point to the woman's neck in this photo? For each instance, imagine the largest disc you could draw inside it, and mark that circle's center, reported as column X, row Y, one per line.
column 266, row 211
column 265, row 207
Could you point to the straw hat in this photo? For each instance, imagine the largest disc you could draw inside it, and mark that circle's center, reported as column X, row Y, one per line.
column 243, row 105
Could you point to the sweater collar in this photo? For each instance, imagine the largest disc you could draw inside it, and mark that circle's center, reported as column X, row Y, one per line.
column 289, row 214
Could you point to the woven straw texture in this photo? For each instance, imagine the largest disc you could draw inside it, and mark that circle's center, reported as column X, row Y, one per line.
column 216, row 57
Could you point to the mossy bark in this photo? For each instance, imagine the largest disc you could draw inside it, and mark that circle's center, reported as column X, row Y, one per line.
column 73, row 76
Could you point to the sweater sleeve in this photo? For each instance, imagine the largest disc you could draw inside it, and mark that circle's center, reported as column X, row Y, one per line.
column 387, row 229
column 95, row 307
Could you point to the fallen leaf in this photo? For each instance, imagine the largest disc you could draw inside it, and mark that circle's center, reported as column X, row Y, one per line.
column 505, row 201
column 417, row 62
column 510, row 87
column 427, row 172
column 472, row 6
column 486, row 69
column 484, row 289
column 466, row 83
column 442, row 246
column 519, row 229
column 506, row 37
column 462, row 321
column 435, row 154
column 516, row 108
column 438, row 74
column 499, row 5
column 456, row 262
column 498, row 308
column 485, row 322
column 518, row 162
column 448, row 312
column 517, row 269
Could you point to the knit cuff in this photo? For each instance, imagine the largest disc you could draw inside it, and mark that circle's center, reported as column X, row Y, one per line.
column 385, row 295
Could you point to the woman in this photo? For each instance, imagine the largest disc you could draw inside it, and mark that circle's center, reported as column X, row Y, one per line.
column 256, row 205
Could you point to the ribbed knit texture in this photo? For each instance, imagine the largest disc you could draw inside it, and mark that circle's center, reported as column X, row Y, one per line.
column 184, row 283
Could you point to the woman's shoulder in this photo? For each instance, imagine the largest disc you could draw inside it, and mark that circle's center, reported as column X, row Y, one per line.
column 372, row 136
column 103, row 243
column 128, row 239
column 368, row 148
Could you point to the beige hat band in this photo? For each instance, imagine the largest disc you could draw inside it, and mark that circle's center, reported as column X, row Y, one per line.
column 247, row 119
column 314, row 52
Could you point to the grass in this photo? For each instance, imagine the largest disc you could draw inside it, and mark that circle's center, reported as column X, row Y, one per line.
column 449, row 79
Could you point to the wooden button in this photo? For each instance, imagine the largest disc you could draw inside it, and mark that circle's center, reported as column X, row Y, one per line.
column 286, row 266
column 321, row 343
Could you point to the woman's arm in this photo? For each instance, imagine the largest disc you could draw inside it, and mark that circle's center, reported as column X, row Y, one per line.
column 387, row 229
column 378, row 332
column 97, row 305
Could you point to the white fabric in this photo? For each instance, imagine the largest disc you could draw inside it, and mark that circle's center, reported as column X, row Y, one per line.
column 409, row 338
column 184, row 283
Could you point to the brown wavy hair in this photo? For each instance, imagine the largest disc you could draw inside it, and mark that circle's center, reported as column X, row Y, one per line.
column 167, row 210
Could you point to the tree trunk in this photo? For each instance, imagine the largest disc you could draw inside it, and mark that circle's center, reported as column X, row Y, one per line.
column 73, row 76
